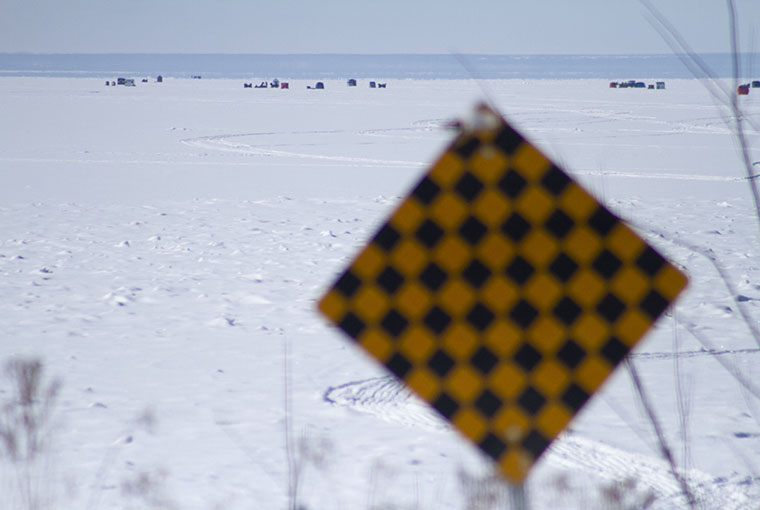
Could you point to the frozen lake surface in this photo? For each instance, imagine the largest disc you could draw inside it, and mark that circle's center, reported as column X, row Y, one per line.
column 162, row 248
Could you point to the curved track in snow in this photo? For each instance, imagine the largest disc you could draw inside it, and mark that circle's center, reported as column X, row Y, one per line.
column 293, row 144
column 387, row 399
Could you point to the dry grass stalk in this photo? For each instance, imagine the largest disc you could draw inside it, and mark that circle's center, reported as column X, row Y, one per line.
column 26, row 429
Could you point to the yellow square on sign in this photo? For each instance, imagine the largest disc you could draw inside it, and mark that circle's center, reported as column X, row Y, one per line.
column 502, row 293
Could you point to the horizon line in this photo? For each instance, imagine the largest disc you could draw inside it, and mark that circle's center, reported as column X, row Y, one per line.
column 375, row 54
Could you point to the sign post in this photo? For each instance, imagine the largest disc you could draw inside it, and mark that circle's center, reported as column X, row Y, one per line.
column 502, row 293
column 518, row 497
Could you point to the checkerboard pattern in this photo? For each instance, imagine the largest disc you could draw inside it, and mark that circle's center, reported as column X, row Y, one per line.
column 502, row 293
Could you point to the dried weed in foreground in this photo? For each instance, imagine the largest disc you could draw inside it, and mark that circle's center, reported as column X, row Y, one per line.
column 26, row 430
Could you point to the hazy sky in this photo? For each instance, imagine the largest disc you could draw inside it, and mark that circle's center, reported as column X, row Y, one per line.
column 364, row 26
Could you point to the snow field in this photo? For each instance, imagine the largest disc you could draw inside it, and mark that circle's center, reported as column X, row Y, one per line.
column 162, row 247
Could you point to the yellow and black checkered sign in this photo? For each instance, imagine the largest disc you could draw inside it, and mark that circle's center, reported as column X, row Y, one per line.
column 502, row 293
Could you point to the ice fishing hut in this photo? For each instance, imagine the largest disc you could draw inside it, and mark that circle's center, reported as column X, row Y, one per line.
column 372, row 84
column 756, row 84
column 160, row 79
column 319, row 85
column 743, row 90
column 660, row 85
column 352, row 83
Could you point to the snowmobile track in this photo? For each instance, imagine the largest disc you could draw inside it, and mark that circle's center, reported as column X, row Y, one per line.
column 388, row 399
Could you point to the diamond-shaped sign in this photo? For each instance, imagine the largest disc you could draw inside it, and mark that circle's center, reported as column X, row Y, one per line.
column 502, row 293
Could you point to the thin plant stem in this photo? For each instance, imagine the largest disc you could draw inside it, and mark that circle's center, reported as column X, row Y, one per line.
column 659, row 434
column 289, row 450
column 682, row 396
column 728, row 98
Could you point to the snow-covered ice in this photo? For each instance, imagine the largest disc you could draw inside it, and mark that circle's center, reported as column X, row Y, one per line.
column 162, row 248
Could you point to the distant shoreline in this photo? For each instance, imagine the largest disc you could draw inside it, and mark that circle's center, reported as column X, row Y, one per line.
column 366, row 66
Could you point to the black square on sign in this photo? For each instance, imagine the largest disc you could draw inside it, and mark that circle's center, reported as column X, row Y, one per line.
column 512, row 184
column 472, row 230
column 527, row 357
column 492, row 446
column 531, row 400
column 348, row 284
column 515, row 227
column 488, row 403
column 446, row 405
column 480, row 317
column 650, row 261
column 429, row 233
column 437, row 320
column 535, row 443
column 523, row 313
column 508, row 140
column 555, row 180
column 567, row 311
column 387, row 238
column 426, row 191
column 606, row 264
column 559, row 224
column 484, row 360
column 394, row 323
column 440, row 363
column 433, row 276
column 399, row 365
column 610, row 307
column 466, row 148
column 476, row 273
column 574, row 397
column 571, row 354
column 563, row 267
column 520, row 270
column 653, row 304
column 390, row 280
column 352, row 325
column 602, row 220
column 468, row 187
column 614, row 351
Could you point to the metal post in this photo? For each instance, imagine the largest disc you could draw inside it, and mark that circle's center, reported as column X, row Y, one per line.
column 518, row 497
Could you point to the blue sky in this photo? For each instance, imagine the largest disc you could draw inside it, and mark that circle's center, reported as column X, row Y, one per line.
column 365, row 26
